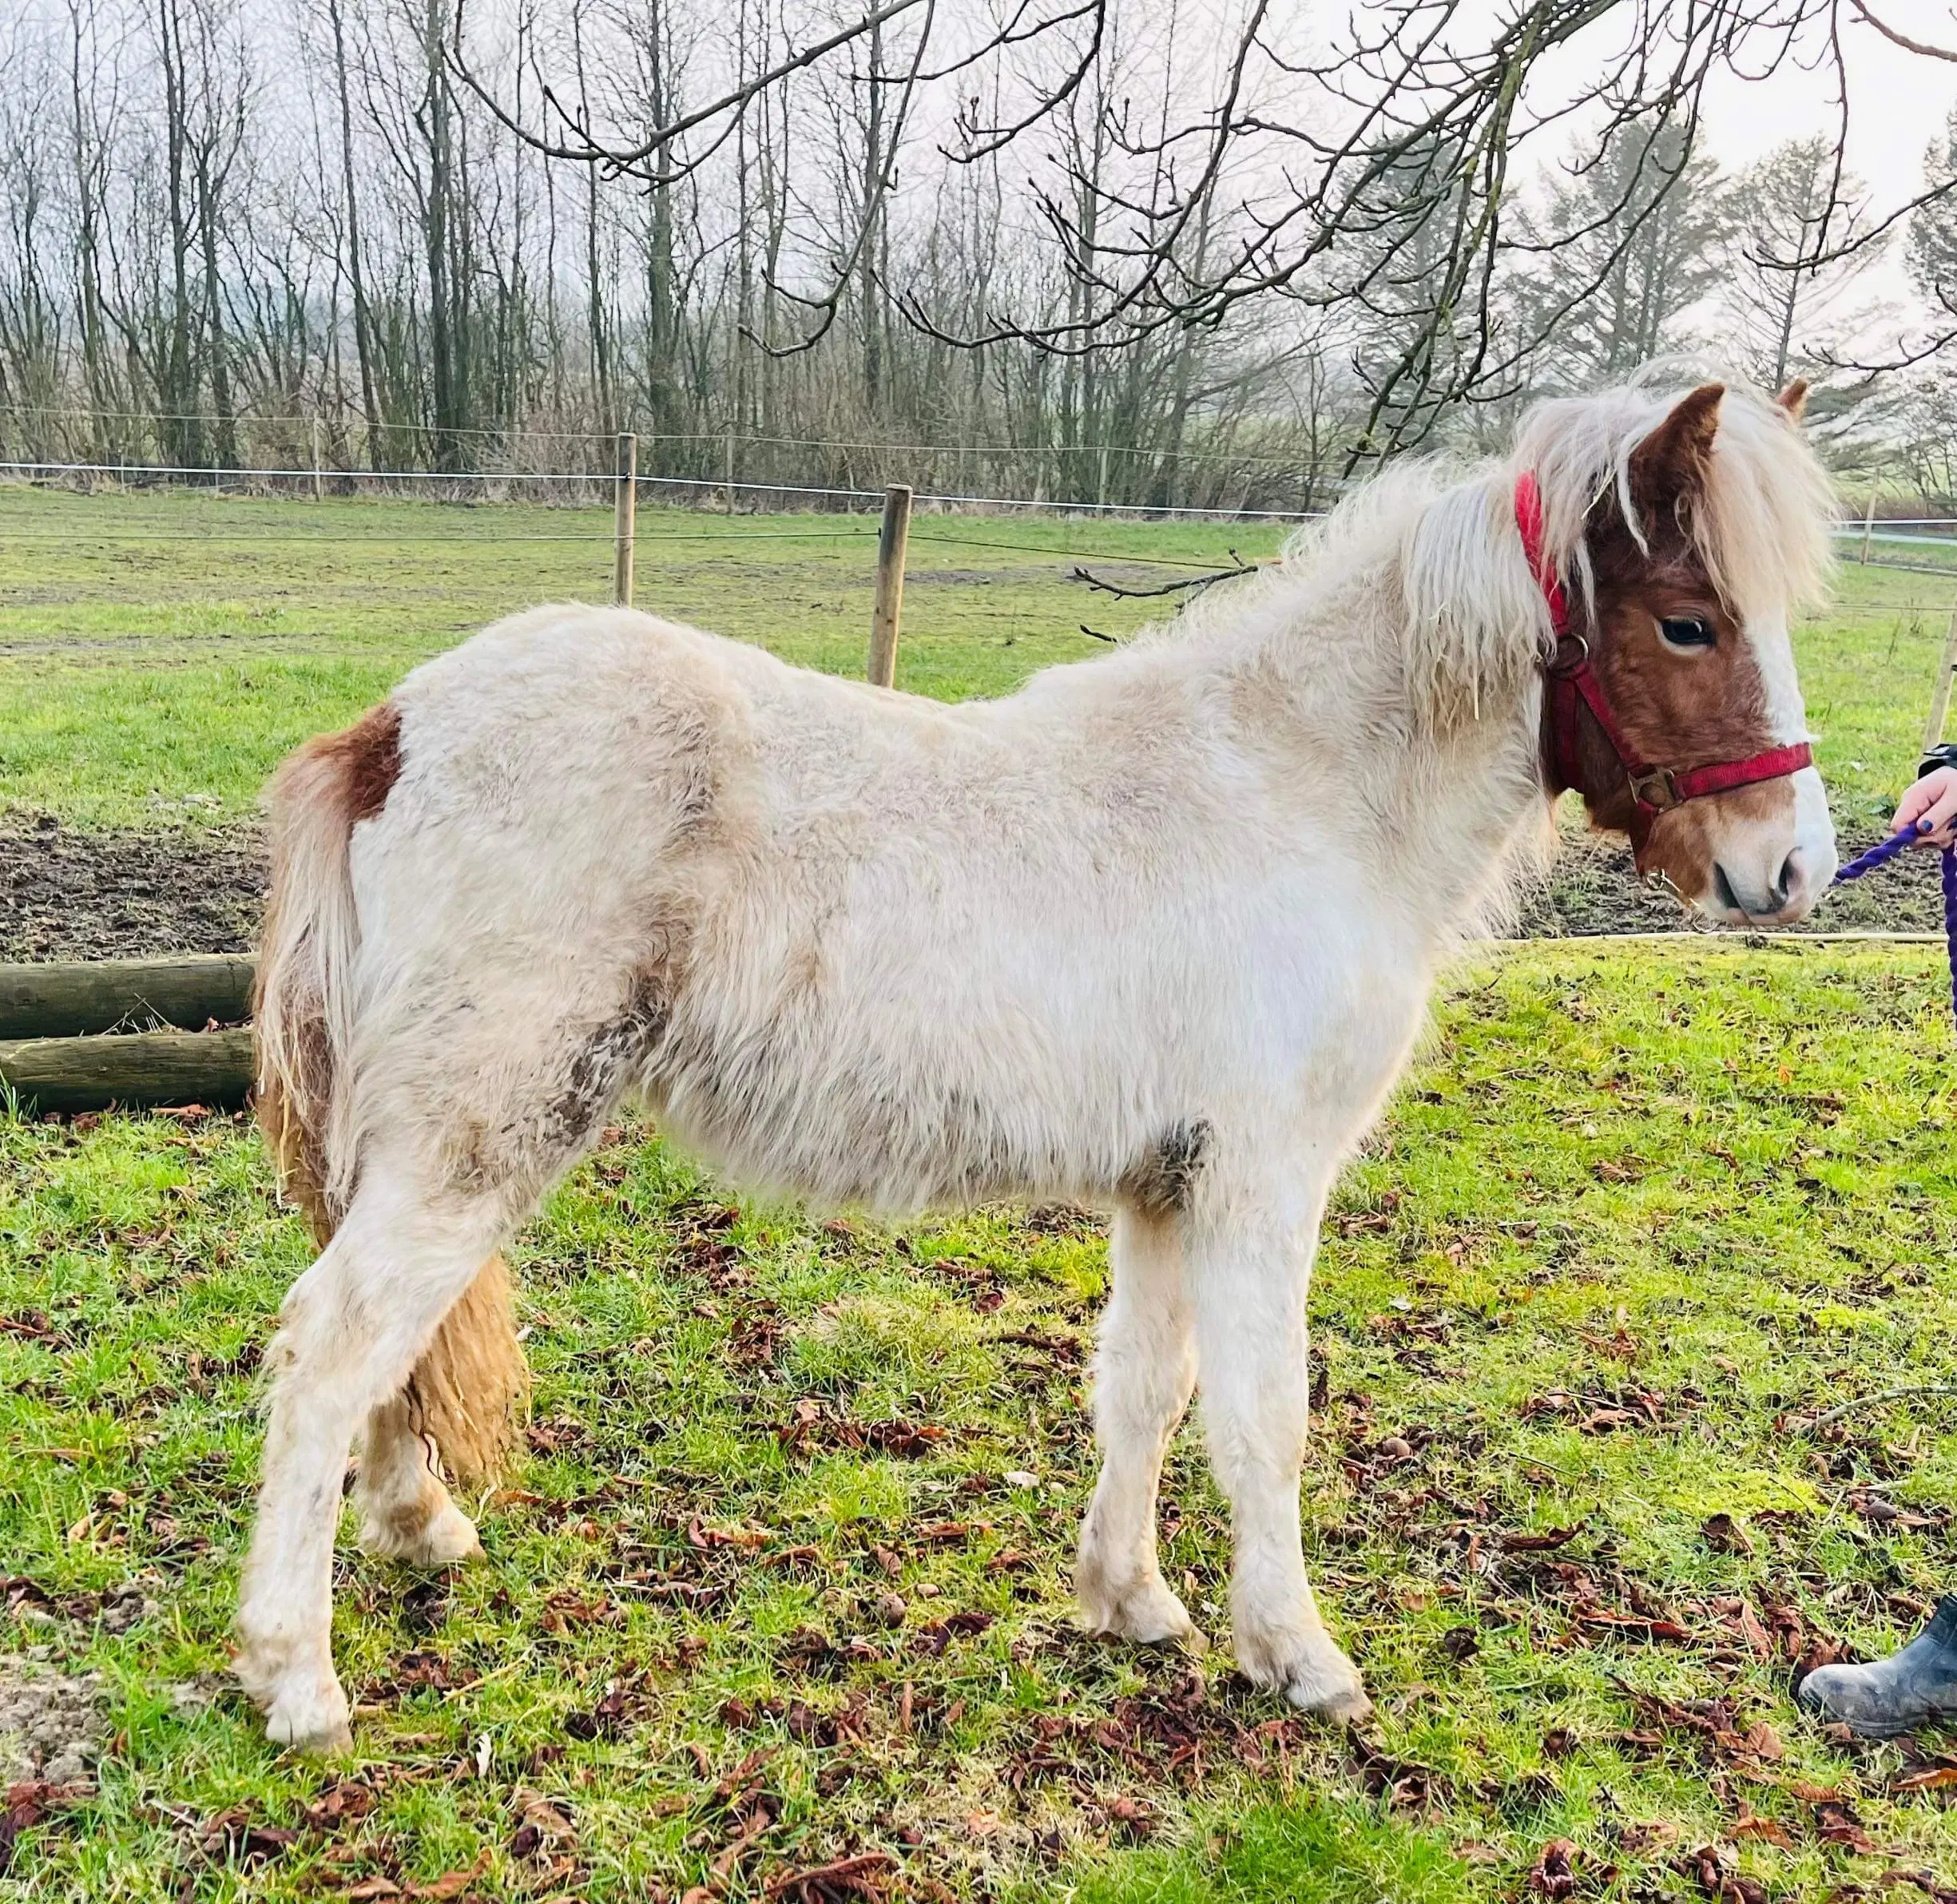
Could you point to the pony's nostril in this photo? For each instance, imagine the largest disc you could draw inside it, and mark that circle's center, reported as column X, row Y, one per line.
column 1785, row 886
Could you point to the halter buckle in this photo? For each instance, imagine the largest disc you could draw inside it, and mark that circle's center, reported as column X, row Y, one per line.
column 1652, row 787
column 1573, row 652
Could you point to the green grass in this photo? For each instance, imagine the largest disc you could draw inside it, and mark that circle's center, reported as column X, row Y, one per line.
column 159, row 653
column 1636, row 1214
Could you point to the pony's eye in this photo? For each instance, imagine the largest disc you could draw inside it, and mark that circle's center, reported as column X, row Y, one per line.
column 1686, row 631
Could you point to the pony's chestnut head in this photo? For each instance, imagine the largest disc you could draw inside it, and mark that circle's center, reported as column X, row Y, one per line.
column 1696, row 553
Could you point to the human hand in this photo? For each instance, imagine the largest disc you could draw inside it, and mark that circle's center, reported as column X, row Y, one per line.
column 1929, row 809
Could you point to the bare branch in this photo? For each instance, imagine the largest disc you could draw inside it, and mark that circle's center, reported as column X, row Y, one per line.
column 591, row 151
column 1908, row 44
column 1191, row 584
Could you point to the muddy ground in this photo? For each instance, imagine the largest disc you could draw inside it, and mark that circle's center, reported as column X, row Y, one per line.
column 65, row 894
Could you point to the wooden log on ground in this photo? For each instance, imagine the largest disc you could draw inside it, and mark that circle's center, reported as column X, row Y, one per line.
column 136, row 1068
column 71, row 1001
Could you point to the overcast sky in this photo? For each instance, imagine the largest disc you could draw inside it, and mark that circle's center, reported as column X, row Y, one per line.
column 1901, row 101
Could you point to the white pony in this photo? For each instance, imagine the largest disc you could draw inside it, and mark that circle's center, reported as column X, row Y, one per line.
column 1157, row 931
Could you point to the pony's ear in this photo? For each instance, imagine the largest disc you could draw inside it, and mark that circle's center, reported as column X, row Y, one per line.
column 1667, row 469
column 1794, row 399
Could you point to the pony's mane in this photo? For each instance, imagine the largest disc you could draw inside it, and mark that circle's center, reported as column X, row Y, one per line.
column 1474, row 616
column 1761, row 523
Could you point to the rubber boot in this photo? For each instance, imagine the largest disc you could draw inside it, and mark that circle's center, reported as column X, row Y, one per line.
column 1909, row 1689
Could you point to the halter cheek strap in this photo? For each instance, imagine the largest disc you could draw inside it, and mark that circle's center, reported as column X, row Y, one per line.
column 1573, row 681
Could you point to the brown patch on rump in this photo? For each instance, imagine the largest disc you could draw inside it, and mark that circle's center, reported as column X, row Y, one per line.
column 368, row 757
column 356, row 770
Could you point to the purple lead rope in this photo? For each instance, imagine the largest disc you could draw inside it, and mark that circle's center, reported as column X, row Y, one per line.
column 1881, row 855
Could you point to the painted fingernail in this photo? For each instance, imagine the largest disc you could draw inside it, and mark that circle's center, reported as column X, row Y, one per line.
column 1923, row 826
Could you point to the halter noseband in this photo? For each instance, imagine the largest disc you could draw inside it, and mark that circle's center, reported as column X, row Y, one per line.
column 1572, row 678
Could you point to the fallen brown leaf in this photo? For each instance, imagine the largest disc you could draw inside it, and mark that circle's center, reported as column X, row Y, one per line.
column 1768, row 1830
column 1765, row 1743
column 450, row 1884
column 235, row 1837
column 1724, row 1535
column 1715, row 1868
column 1553, row 1875
column 1544, row 1542
column 24, row 1806
column 1930, row 1779
column 847, row 1876
column 543, row 1824
column 1632, row 1623
column 1835, row 1823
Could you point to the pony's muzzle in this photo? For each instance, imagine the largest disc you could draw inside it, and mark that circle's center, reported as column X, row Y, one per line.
column 1771, row 856
column 1790, row 896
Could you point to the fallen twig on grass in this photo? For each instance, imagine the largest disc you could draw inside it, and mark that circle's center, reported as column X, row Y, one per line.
column 1875, row 1401
column 853, row 1877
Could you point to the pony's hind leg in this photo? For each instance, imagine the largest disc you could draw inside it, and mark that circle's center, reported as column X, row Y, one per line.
column 405, row 1512
column 463, row 1168
column 1144, row 1369
column 1249, row 1271
column 349, row 1331
column 457, row 1412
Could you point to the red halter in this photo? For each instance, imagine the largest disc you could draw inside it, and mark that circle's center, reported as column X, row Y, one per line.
column 1571, row 678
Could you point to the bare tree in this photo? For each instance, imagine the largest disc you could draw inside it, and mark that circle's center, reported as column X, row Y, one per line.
column 365, row 348
column 1101, row 249
column 1789, row 213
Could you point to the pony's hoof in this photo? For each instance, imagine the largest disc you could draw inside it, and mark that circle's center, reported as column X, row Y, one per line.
column 439, row 1539
column 1339, row 1705
column 1146, row 1613
column 1310, row 1671
column 311, row 1718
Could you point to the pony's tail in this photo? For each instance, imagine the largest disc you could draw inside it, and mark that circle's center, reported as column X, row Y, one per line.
column 467, row 1389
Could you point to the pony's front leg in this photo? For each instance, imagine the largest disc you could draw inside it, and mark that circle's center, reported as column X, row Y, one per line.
column 1249, row 1259
column 1144, row 1369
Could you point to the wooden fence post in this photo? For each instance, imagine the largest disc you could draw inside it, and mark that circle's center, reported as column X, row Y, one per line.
column 1868, row 520
column 319, row 481
column 1940, row 701
column 624, row 516
column 889, row 609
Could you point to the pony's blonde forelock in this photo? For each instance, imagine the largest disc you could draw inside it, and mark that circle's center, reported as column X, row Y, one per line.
column 1766, row 519
column 1762, row 521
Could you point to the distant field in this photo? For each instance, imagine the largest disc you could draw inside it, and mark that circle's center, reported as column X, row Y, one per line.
column 159, row 652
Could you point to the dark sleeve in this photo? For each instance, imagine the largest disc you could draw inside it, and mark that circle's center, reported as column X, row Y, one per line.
column 1943, row 754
